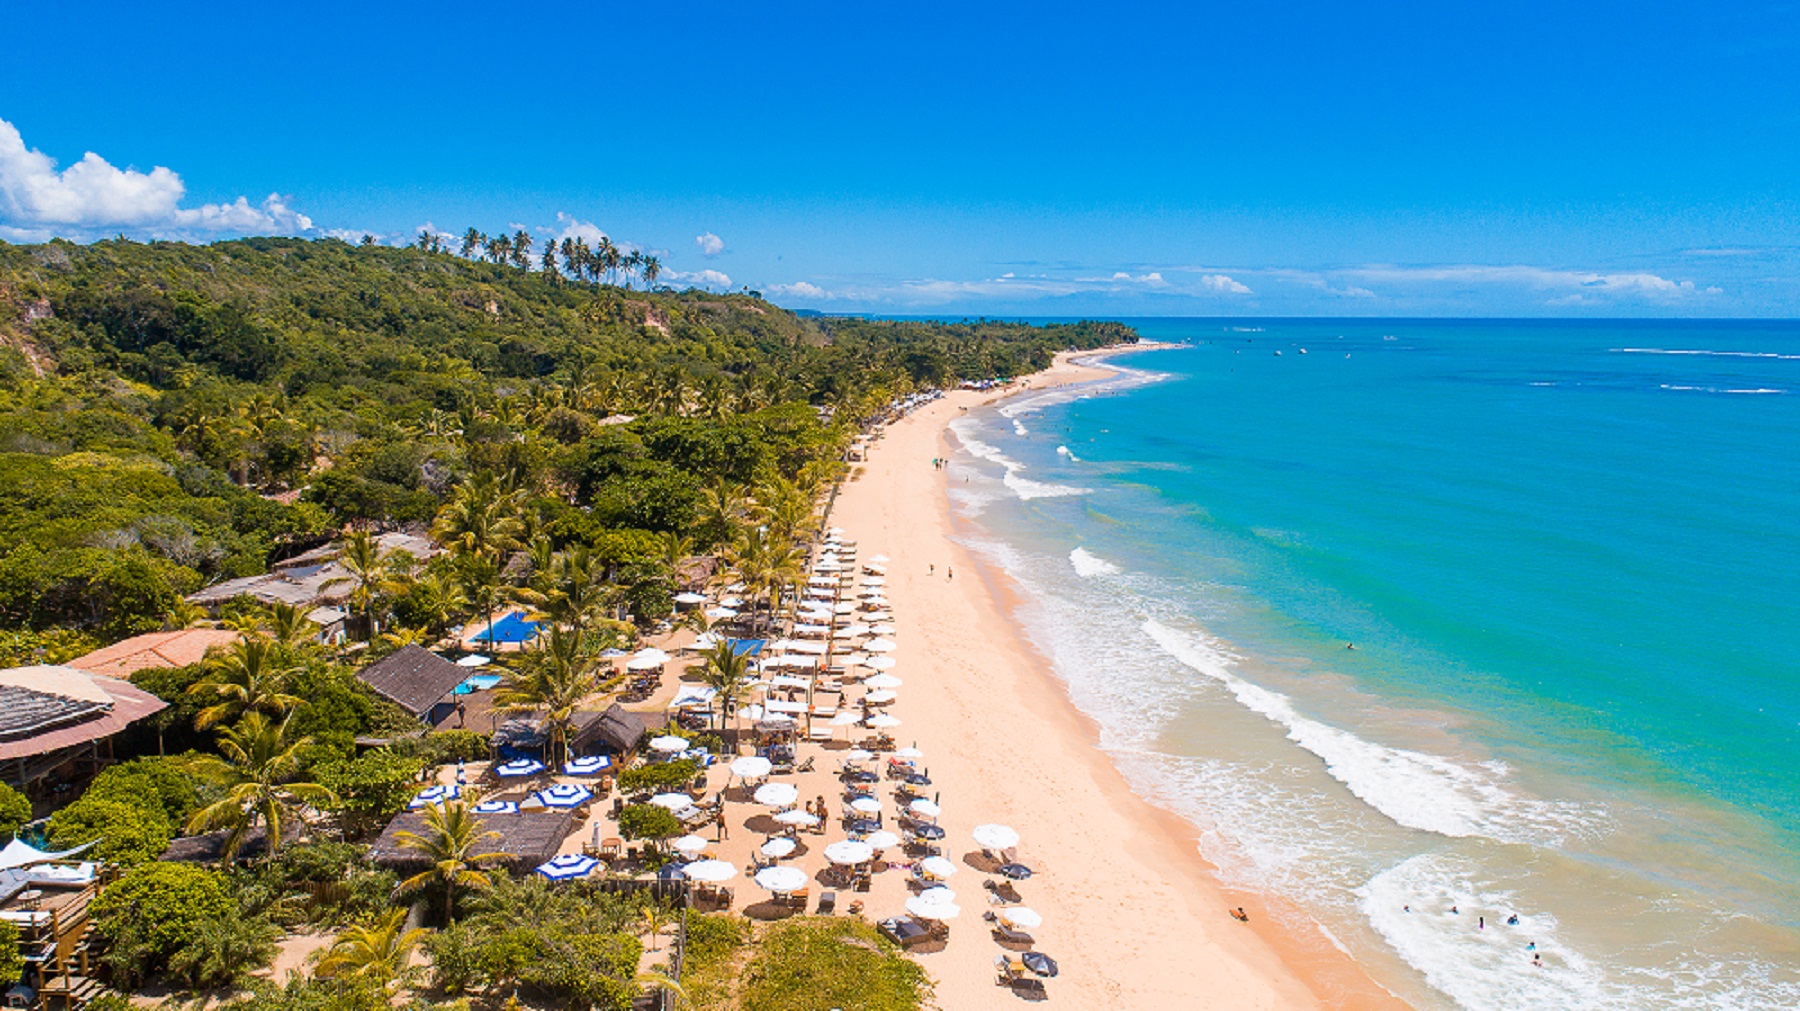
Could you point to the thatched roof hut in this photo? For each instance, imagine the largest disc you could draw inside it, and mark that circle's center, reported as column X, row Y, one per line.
column 526, row 839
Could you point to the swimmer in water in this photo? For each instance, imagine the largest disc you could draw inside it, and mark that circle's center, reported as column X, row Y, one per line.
column 1513, row 920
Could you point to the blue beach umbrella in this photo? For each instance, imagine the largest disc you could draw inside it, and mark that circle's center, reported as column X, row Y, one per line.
column 565, row 795
column 519, row 767
column 497, row 807
column 568, row 867
column 591, row 765
column 434, row 796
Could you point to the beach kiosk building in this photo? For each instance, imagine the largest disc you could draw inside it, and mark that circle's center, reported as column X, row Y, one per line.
column 417, row 680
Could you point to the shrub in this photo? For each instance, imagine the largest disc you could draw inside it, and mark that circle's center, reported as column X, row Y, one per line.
column 154, row 911
column 648, row 821
column 15, row 811
column 831, row 963
column 373, row 785
column 148, row 782
column 658, row 777
column 445, row 746
column 128, row 834
column 12, row 964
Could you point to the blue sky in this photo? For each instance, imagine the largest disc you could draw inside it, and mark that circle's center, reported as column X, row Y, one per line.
column 1132, row 158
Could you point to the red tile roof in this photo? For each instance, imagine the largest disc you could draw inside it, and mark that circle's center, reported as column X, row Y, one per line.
column 154, row 649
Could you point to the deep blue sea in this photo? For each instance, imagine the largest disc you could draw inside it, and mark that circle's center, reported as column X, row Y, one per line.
column 1567, row 557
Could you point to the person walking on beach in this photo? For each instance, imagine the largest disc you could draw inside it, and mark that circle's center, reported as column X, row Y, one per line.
column 949, row 573
column 719, row 820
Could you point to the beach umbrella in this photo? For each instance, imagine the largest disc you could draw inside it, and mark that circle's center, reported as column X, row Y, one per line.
column 880, row 663
column 751, row 767
column 884, row 628
column 882, row 681
column 875, row 602
column 879, row 646
column 846, row 718
column 918, row 906
column 879, row 698
column 474, row 660
column 849, row 852
column 929, row 833
column 652, row 653
column 938, row 893
column 669, row 744
column 777, row 794
column 854, row 630
column 519, row 767
column 642, row 663
column 797, row 817
column 710, row 872
column 691, row 846
column 1015, row 872
column 937, row 867
column 866, row 805
column 882, row 721
column 672, row 801
column 721, row 612
column 995, row 837
column 882, row 840
column 1020, row 917
column 434, row 796
column 565, row 795
column 779, row 847
column 845, row 608
column 874, row 581
column 924, row 807
column 690, row 597
column 909, row 752
column 858, row 755
column 781, row 879
column 588, row 765
column 497, row 807
column 751, row 712
column 1039, row 963
column 731, row 601
column 568, row 867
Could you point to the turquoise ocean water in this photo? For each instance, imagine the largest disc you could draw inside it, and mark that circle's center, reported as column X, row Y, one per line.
column 1567, row 556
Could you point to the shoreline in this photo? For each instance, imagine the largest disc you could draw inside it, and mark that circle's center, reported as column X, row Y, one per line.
column 1134, row 912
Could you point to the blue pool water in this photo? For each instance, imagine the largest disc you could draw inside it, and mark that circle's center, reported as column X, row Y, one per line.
column 1567, row 556
column 512, row 628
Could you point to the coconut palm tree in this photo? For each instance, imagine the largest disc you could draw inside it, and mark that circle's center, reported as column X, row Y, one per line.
column 555, row 677
column 653, row 919
column 471, row 241
column 258, row 766
column 453, row 841
column 723, row 669
column 652, row 271
column 368, row 570
column 377, row 954
column 252, row 675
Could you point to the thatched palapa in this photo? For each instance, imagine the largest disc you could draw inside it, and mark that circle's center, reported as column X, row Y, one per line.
column 526, row 839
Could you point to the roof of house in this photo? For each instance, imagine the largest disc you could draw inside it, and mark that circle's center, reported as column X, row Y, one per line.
column 153, row 650
column 620, row 728
column 525, row 839
column 46, row 708
column 413, row 678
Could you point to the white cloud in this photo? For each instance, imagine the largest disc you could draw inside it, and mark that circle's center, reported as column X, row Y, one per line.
column 698, row 278
column 710, row 244
column 1223, row 284
column 93, row 195
column 575, row 228
column 801, row 289
column 1580, row 282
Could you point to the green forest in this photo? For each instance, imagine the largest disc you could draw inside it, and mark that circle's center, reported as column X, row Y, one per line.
column 173, row 415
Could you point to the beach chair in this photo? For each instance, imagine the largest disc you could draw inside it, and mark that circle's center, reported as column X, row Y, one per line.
column 827, row 903
column 611, row 848
column 799, row 899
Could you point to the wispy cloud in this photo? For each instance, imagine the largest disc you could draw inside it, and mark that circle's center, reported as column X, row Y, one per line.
column 698, row 278
column 94, row 196
column 1560, row 283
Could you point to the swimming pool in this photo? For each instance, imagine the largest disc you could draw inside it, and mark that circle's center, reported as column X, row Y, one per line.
column 512, row 628
column 477, row 683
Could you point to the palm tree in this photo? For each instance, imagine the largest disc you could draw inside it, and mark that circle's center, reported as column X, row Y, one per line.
column 723, row 669
column 258, row 769
column 183, row 613
column 367, row 564
column 471, row 241
column 289, row 624
column 652, row 271
column 723, row 507
column 653, row 919
column 376, row 954
column 521, row 249
column 453, row 842
column 557, row 677
column 252, row 676
column 480, row 524
column 547, row 263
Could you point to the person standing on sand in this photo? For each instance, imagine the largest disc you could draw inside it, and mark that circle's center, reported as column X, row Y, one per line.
column 719, row 820
column 949, row 573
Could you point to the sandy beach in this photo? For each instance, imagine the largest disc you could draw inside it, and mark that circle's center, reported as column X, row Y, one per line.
column 1131, row 910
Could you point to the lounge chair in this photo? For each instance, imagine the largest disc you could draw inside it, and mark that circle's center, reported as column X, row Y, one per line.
column 800, row 897
column 827, row 903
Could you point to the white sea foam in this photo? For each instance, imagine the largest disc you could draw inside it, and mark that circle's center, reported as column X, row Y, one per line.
column 1019, row 428
column 1415, row 789
column 1761, row 391
column 1088, row 565
column 1064, row 451
column 1025, row 488
column 1702, row 352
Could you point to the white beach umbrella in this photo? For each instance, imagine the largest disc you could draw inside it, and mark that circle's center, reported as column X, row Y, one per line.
column 877, row 607
column 668, row 744
column 690, row 598
column 844, row 608
column 882, row 681
column 995, row 837
column 937, row 867
column 854, row 630
column 874, row 581
column 779, row 847
column 858, row 755
column 884, row 629
column 672, row 801
column 879, row 646
column 777, row 794
column 781, row 879
column 721, row 612
column 938, row 893
column 849, row 852
column 752, row 712
column 475, row 660
column 932, row 910
column 710, row 871
column 879, row 698
column 751, row 767
column 643, row 663
column 652, row 653
column 925, row 808
column 1020, row 917
column 690, row 845
column 909, row 752
column 882, row 721
column 882, row 840
column 880, row 663
column 846, row 718
column 881, row 558
column 866, row 805
column 731, row 602
column 797, row 817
